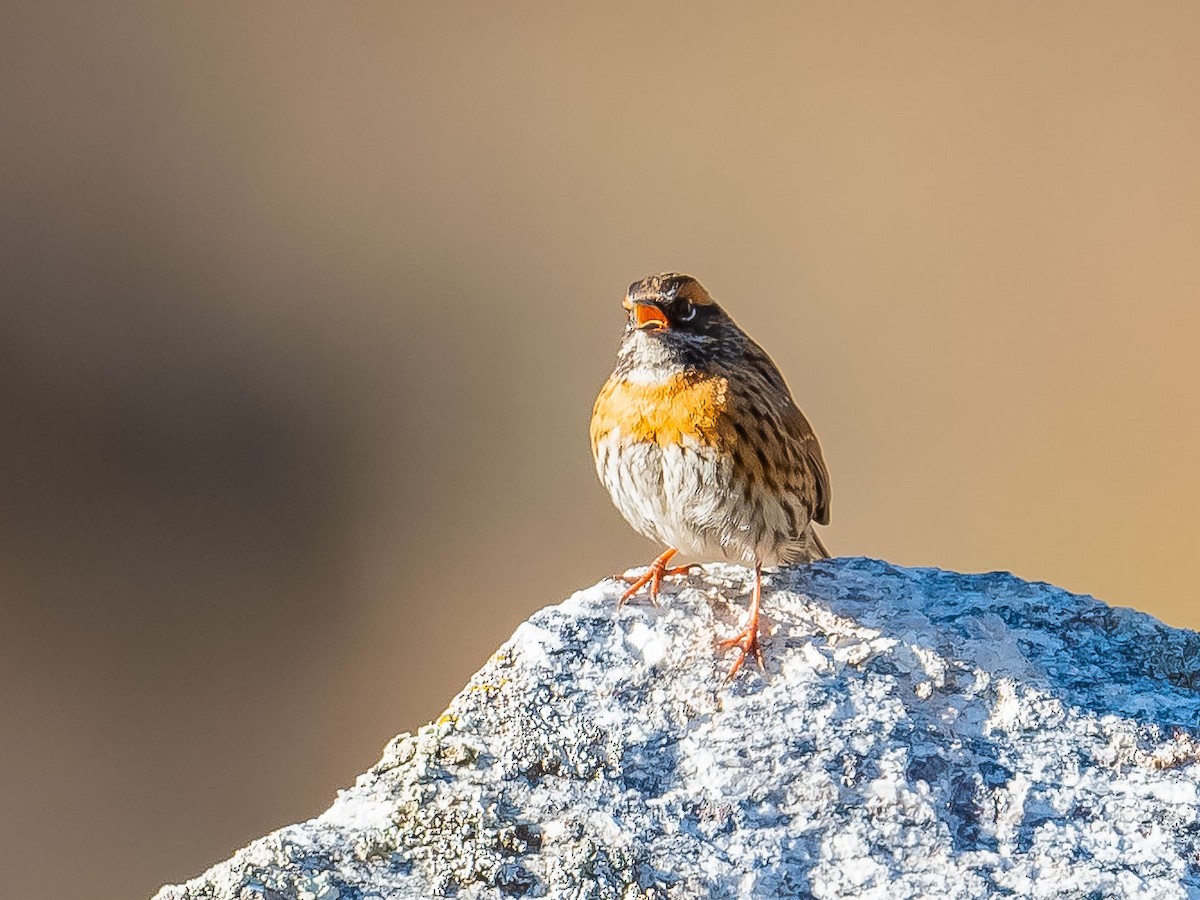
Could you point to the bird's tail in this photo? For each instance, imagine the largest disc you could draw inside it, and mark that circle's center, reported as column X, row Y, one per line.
column 804, row 549
column 821, row 552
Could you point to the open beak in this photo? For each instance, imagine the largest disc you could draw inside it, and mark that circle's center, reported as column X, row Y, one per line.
column 647, row 315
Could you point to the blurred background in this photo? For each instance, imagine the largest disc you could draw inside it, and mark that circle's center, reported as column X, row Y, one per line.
column 303, row 309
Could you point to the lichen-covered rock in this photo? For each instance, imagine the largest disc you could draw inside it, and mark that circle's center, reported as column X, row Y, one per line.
column 917, row 733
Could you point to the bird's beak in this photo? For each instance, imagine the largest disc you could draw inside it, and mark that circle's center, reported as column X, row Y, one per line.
column 647, row 315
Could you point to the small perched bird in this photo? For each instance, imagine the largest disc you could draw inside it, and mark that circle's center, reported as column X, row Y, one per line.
column 697, row 438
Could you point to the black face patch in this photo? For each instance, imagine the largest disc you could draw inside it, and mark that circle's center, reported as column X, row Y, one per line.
column 684, row 315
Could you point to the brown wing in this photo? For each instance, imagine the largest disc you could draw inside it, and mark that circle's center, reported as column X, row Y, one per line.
column 765, row 384
column 805, row 444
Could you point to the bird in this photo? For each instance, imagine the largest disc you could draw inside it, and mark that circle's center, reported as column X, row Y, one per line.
column 703, row 450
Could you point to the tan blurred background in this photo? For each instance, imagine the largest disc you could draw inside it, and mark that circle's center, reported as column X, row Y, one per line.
column 303, row 309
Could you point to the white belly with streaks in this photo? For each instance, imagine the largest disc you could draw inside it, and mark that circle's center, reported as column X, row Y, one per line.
column 681, row 495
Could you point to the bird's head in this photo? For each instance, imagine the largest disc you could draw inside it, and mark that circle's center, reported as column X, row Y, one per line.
column 672, row 321
column 670, row 302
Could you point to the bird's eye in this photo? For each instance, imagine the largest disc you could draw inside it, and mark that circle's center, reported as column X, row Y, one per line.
column 684, row 311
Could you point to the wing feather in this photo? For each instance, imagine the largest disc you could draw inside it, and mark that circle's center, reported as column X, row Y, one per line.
column 805, row 443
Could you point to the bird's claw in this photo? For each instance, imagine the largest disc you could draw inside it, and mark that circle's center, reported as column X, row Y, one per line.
column 747, row 642
column 653, row 576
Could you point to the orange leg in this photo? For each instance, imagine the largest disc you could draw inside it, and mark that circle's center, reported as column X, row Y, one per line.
column 746, row 640
column 653, row 577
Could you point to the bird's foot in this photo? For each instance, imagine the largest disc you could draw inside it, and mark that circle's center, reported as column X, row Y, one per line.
column 653, row 576
column 746, row 641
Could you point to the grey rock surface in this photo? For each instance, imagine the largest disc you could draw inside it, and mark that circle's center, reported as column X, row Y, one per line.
column 917, row 733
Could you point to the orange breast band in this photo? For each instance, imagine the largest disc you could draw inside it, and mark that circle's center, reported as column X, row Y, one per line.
column 664, row 413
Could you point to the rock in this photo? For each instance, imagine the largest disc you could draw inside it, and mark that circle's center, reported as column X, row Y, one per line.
column 917, row 733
